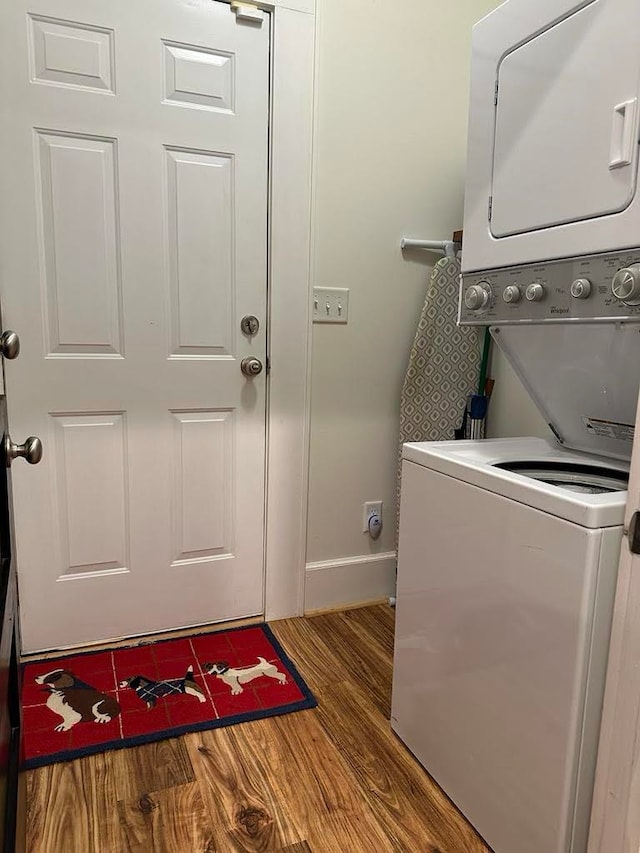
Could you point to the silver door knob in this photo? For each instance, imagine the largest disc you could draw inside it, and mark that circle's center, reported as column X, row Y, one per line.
column 633, row 533
column 31, row 450
column 9, row 344
column 251, row 366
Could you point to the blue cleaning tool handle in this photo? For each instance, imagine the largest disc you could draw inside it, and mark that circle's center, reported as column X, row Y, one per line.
column 477, row 407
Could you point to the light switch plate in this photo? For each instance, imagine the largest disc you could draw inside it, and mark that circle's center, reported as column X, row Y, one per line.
column 330, row 305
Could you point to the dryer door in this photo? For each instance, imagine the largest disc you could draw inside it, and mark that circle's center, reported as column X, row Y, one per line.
column 554, row 124
column 566, row 123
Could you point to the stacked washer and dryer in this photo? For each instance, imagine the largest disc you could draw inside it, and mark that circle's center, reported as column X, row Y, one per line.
column 509, row 549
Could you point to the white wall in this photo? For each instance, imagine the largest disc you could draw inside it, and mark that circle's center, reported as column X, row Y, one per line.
column 390, row 138
column 512, row 412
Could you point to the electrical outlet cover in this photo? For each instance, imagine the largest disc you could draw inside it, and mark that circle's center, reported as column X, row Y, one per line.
column 370, row 508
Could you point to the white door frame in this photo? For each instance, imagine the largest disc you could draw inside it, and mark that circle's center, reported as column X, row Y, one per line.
column 292, row 79
column 615, row 816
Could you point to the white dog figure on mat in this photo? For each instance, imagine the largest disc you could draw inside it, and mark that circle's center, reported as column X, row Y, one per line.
column 235, row 677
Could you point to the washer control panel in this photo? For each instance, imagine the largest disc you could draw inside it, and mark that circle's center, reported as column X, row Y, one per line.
column 595, row 287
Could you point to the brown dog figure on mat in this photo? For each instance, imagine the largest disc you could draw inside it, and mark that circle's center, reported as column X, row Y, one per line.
column 75, row 700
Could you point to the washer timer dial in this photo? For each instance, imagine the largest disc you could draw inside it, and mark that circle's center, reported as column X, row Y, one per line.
column 478, row 296
column 626, row 285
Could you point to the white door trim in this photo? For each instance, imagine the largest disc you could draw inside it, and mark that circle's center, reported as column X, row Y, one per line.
column 292, row 77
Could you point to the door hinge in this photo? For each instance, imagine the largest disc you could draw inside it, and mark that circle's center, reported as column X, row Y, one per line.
column 633, row 534
column 490, row 207
column 495, row 94
column 247, row 11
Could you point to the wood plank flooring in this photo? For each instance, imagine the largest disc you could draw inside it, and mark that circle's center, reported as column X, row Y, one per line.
column 334, row 778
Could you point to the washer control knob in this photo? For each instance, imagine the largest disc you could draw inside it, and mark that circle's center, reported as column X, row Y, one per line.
column 626, row 285
column 535, row 292
column 511, row 294
column 581, row 288
column 477, row 297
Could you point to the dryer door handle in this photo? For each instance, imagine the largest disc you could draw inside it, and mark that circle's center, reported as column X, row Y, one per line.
column 623, row 134
column 633, row 533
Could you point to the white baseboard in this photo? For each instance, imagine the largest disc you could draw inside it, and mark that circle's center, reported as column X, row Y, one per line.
column 349, row 581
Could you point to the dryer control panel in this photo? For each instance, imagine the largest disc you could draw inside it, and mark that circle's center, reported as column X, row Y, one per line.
column 595, row 288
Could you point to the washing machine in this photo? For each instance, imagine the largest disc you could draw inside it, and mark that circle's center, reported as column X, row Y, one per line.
column 506, row 577
column 507, row 562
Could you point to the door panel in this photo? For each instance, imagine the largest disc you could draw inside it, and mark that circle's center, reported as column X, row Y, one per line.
column 133, row 240
column 69, row 54
column 200, row 192
column 203, row 484
column 92, row 523
column 77, row 209
column 198, row 77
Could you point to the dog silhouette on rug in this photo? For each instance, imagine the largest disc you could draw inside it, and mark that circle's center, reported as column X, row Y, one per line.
column 236, row 676
column 75, row 700
column 150, row 691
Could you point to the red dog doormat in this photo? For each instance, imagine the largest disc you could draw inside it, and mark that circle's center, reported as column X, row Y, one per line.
column 95, row 701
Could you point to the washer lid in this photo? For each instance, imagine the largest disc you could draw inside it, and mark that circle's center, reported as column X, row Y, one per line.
column 582, row 377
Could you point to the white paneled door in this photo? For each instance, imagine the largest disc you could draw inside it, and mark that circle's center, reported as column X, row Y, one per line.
column 133, row 240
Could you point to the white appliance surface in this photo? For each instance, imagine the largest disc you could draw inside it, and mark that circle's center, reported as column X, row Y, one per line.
column 474, row 462
column 553, row 132
column 579, row 376
column 504, row 601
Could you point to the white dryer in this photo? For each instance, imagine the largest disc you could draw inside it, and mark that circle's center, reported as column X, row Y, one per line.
column 552, row 165
column 506, row 577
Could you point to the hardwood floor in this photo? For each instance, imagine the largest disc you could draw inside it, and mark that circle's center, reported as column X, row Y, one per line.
column 334, row 778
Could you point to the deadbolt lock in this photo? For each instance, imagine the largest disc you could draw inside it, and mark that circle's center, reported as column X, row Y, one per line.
column 250, row 325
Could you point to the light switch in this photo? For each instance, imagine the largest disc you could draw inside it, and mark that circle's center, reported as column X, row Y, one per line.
column 330, row 305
